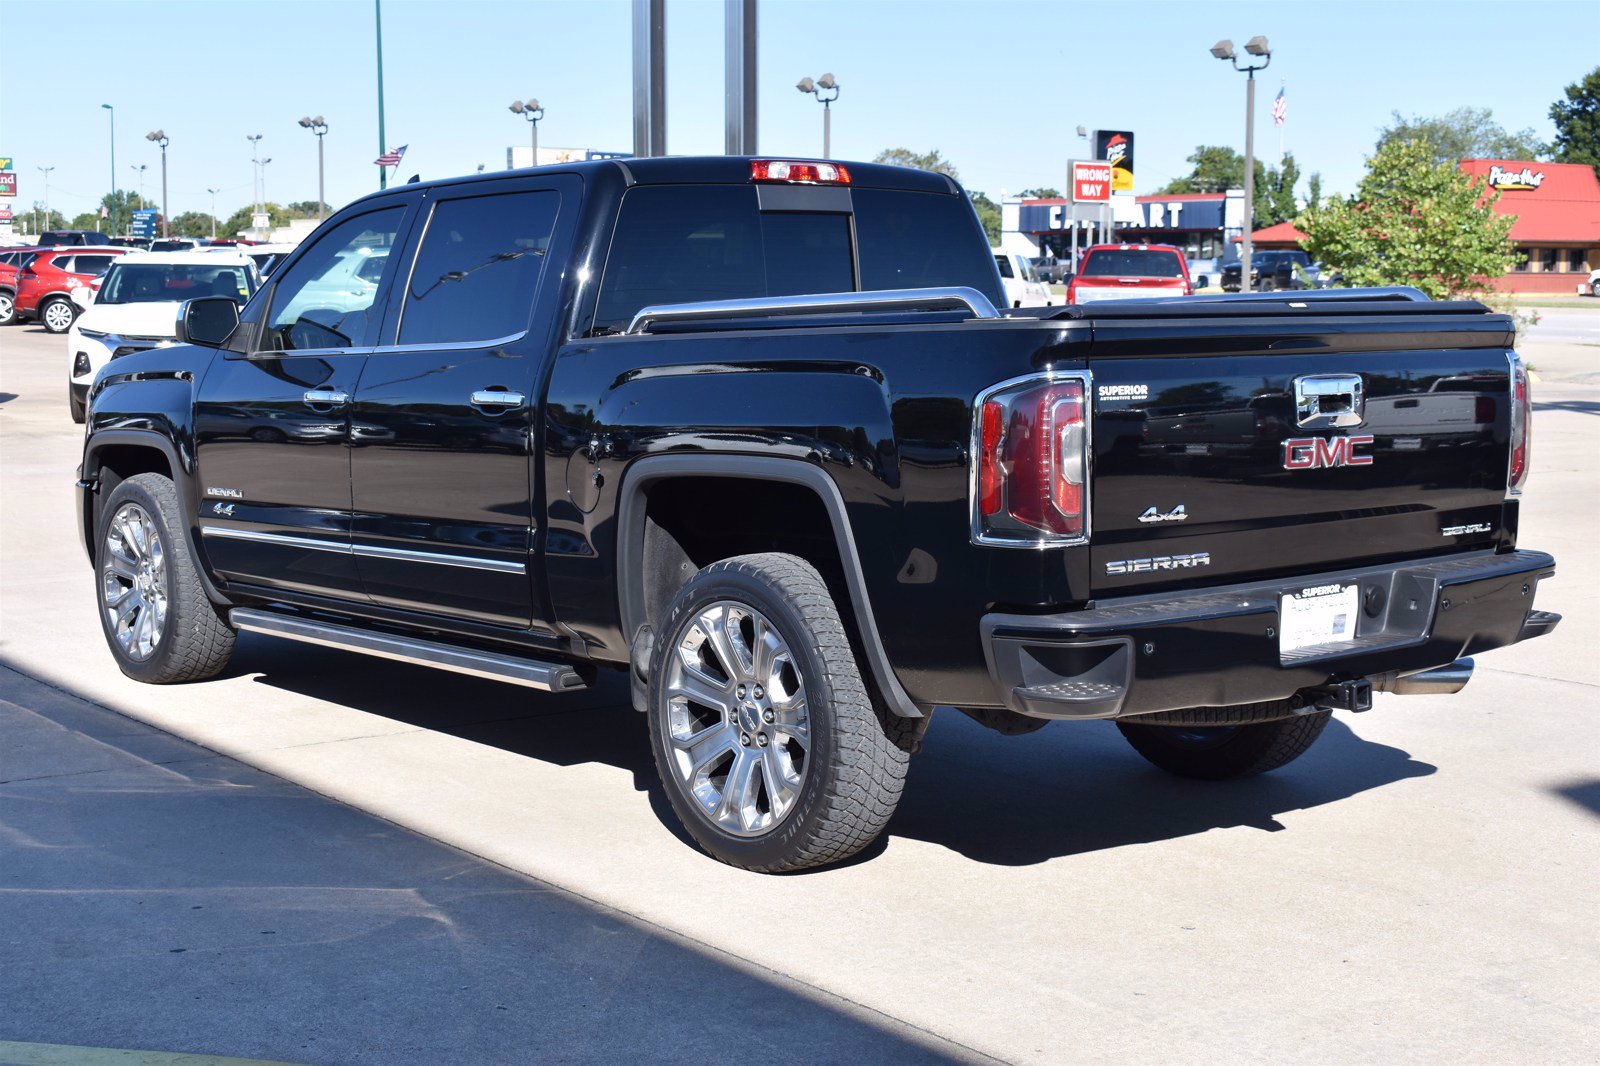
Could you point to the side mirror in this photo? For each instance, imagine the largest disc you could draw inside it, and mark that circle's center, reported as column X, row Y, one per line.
column 207, row 321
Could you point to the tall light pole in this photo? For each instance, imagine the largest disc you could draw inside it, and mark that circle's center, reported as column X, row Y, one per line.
column 46, row 172
column 264, row 209
column 213, row 193
column 530, row 110
column 819, row 89
column 383, row 147
column 160, row 137
column 1256, row 46
column 113, row 111
column 320, row 127
column 255, row 173
column 139, row 169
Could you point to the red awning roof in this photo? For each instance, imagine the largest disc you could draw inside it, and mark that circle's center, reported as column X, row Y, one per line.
column 1564, row 207
column 1282, row 233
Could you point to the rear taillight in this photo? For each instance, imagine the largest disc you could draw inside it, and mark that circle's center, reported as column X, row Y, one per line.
column 777, row 170
column 1030, row 445
column 1521, row 419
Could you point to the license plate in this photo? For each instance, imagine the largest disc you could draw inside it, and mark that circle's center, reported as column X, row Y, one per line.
column 1325, row 614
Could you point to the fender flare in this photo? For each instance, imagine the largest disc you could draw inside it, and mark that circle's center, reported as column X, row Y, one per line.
column 89, row 485
column 630, row 546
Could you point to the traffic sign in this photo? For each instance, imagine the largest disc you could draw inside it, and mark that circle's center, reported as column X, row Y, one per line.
column 144, row 224
column 1091, row 182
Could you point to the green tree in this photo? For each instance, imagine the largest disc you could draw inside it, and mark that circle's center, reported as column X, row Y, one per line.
column 930, row 160
column 1274, row 193
column 194, row 224
column 1577, row 121
column 988, row 214
column 1043, row 193
column 37, row 219
column 1314, row 189
column 89, row 220
column 1217, row 168
column 1415, row 220
column 121, row 203
column 1465, row 133
column 240, row 219
column 306, row 209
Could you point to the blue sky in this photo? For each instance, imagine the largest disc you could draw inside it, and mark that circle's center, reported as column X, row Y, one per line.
column 998, row 86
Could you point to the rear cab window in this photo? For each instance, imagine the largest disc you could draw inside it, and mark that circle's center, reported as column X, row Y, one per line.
column 1132, row 263
column 692, row 243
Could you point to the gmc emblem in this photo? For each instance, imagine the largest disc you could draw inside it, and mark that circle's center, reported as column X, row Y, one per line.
column 1315, row 453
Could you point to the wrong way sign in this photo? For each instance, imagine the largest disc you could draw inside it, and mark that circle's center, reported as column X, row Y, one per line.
column 1091, row 183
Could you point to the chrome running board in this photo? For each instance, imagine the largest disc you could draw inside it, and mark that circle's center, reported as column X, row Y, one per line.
column 547, row 677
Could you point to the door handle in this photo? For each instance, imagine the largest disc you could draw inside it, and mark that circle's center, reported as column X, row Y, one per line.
column 497, row 398
column 326, row 398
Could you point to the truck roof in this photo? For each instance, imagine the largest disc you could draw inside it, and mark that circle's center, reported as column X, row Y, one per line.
column 707, row 170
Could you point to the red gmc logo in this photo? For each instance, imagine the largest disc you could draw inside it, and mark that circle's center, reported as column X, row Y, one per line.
column 1315, row 453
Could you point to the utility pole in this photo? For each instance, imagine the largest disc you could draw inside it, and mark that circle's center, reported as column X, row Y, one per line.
column 383, row 144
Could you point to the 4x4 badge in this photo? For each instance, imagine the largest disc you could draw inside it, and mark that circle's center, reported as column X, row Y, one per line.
column 1177, row 514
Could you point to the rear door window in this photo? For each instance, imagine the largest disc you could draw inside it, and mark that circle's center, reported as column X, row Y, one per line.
column 94, row 265
column 479, row 266
column 1004, row 263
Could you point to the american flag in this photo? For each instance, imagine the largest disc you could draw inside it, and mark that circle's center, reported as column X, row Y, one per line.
column 392, row 157
column 1280, row 108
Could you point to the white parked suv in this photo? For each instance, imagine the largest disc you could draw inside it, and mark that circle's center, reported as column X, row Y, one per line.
column 1021, row 281
column 135, row 307
column 1592, row 286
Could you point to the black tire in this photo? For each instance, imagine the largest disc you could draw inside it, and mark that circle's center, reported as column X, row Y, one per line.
column 1594, row 288
column 75, row 406
column 45, row 315
column 856, row 753
column 8, row 307
column 194, row 642
column 1217, row 753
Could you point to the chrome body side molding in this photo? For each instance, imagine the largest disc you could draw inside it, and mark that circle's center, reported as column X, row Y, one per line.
column 948, row 298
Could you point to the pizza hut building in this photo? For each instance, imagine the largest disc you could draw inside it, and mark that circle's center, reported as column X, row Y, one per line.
column 1557, row 206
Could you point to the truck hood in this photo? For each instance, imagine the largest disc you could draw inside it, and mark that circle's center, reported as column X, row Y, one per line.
column 158, row 319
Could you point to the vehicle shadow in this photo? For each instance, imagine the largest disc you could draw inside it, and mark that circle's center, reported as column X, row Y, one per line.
column 1012, row 801
column 1577, row 407
column 180, row 873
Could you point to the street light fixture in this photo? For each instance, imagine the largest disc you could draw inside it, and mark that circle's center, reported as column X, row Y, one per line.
column 820, row 88
column 530, row 110
column 160, row 137
column 1256, row 46
column 46, row 172
column 319, row 126
column 113, row 117
column 213, row 193
column 255, row 173
column 139, row 169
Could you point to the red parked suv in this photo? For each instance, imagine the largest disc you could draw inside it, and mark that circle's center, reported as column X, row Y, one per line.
column 45, row 282
column 1130, row 271
column 10, row 260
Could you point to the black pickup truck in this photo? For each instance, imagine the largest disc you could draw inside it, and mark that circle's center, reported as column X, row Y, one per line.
column 754, row 432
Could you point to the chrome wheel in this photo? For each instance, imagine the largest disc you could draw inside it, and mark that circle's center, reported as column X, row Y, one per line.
column 133, row 582
column 737, row 719
column 58, row 316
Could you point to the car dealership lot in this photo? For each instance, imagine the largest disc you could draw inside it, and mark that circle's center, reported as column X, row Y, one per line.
column 1419, row 885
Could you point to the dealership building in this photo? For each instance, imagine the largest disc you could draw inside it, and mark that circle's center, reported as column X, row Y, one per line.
column 1203, row 225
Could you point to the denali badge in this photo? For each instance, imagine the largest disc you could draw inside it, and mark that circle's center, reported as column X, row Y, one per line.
column 1160, row 562
column 1456, row 531
column 231, row 494
column 1177, row 514
column 1313, row 453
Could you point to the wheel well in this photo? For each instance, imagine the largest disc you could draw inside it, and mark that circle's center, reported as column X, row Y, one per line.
column 116, row 463
column 692, row 522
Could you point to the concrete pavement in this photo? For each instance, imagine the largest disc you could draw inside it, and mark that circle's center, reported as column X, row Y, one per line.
column 1419, row 886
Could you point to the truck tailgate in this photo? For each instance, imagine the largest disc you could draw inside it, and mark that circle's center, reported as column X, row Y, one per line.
column 1204, row 472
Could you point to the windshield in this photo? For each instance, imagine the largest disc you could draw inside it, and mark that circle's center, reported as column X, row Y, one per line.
column 1132, row 263
column 136, row 283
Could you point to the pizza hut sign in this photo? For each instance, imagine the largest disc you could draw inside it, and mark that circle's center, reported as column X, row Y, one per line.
column 1524, row 180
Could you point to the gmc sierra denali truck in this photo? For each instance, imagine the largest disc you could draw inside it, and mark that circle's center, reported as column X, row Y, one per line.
column 753, row 432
